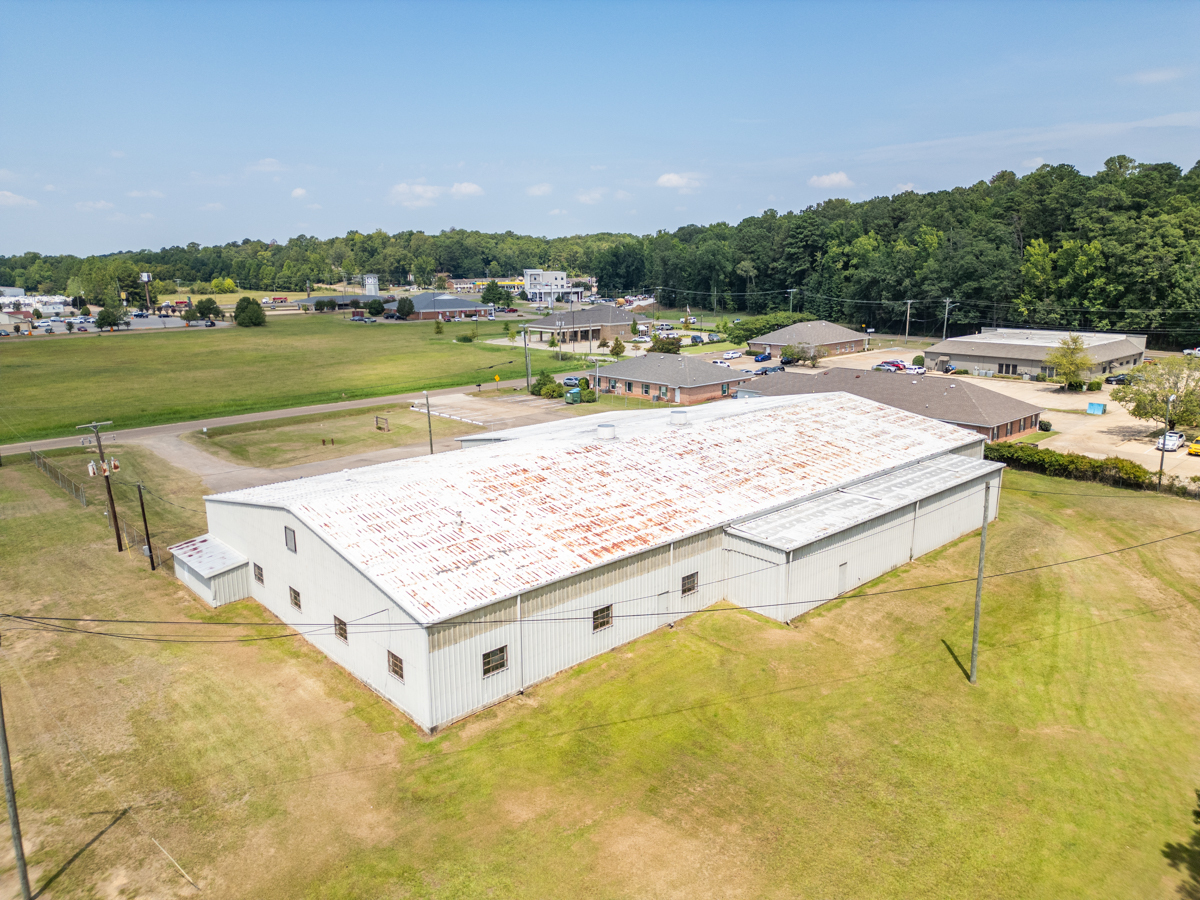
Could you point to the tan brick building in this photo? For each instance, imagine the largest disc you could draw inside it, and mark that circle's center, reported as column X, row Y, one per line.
column 671, row 378
column 836, row 340
column 597, row 323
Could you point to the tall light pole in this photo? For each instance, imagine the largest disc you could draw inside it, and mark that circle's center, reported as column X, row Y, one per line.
column 1162, row 456
column 528, row 373
column 907, row 317
column 10, row 796
column 987, row 491
column 946, row 320
column 429, row 421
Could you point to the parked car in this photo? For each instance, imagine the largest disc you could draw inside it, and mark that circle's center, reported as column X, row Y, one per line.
column 1194, row 448
column 512, row 309
column 776, row 369
column 82, row 328
column 731, row 354
column 915, row 370
column 49, row 330
column 3, row 333
column 1123, row 378
column 1171, row 441
column 714, row 338
column 887, row 367
column 721, row 362
column 697, row 339
column 763, row 357
column 140, row 315
column 164, row 315
column 762, row 370
column 640, row 339
column 571, row 381
column 209, row 323
column 1192, row 351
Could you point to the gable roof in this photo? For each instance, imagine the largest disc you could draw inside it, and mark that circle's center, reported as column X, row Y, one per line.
column 673, row 370
column 948, row 399
column 596, row 315
column 1034, row 344
column 438, row 301
column 815, row 333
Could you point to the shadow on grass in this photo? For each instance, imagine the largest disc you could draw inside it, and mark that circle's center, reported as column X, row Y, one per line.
column 1186, row 858
column 957, row 661
column 78, row 853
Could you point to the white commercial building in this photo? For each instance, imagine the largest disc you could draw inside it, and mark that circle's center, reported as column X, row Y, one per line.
column 447, row 583
column 547, row 287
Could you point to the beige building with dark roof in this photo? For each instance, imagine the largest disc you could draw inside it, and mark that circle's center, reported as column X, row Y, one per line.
column 954, row 401
column 671, row 378
column 1022, row 351
column 836, row 339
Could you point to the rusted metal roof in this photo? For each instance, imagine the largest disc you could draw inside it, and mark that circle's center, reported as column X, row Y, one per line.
column 449, row 533
column 208, row 555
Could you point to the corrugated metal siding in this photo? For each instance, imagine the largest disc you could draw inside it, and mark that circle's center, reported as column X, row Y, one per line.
column 953, row 513
column 329, row 586
column 472, row 625
column 197, row 583
column 231, row 585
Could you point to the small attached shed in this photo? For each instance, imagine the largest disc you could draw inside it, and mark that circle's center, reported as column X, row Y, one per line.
column 212, row 569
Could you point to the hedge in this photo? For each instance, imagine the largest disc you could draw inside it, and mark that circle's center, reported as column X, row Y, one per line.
column 1114, row 470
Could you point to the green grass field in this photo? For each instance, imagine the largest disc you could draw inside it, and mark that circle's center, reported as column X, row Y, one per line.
column 844, row 757
column 145, row 379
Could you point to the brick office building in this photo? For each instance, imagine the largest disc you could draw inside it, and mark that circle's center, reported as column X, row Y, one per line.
column 836, row 340
column 671, row 378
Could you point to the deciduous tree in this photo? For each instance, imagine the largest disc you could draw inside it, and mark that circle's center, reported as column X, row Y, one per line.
column 1145, row 397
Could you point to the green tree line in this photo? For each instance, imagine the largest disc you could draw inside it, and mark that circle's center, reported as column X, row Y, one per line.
column 1117, row 250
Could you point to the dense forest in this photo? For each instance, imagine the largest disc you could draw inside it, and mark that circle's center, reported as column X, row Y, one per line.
column 1118, row 250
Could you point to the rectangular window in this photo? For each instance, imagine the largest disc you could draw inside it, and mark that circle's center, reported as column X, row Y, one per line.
column 662, row 391
column 258, row 575
column 612, row 384
column 629, row 387
column 495, row 661
column 340, row 631
column 724, row 390
column 996, row 433
column 691, row 583
column 294, row 596
column 601, row 618
column 289, row 538
column 395, row 666
column 646, row 389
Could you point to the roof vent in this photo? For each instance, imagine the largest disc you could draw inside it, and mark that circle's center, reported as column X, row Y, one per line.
column 606, row 432
column 678, row 417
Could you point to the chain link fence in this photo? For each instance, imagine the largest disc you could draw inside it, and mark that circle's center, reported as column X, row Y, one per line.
column 72, row 487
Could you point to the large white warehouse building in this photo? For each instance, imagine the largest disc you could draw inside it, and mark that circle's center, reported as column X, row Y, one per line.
column 447, row 583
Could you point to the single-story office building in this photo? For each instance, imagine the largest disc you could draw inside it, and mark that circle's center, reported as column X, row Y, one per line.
column 671, row 378
column 837, row 340
column 954, row 401
column 1022, row 351
column 437, row 305
column 595, row 323
column 447, row 583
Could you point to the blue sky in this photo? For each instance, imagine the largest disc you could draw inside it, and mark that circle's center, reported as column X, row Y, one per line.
column 147, row 125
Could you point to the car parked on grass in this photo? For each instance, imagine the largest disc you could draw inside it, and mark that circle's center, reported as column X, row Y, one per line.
column 763, row 357
column 731, row 354
column 1171, row 441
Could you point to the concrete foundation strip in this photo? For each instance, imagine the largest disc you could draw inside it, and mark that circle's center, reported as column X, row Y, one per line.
column 418, row 409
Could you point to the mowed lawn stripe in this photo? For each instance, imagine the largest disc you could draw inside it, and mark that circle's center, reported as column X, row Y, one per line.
column 182, row 375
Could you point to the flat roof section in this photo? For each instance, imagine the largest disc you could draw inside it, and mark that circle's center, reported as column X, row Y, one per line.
column 821, row 517
column 443, row 535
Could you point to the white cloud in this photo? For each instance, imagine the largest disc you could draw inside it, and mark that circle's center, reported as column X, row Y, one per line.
column 684, row 182
column 832, row 180
column 1034, row 163
column 93, row 205
column 116, row 154
column 538, row 190
column 145, row 194
column 907, row 186
column 595, row 195
column 212, row 207
column 623, row 195
column 298, row 192
column 49, row 187
column 8, row 198
column 466, row 189
column 414, row 195
column 266, row 165
column 1154, row 76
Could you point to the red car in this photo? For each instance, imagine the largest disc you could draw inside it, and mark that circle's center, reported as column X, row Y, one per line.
column 82, row 328
column 511, row 309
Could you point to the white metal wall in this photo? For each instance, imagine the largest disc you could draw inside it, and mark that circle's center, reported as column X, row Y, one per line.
column 953, row 513
column 230, row 586
column 554, row 630
column 199, row 585
column 329, row 586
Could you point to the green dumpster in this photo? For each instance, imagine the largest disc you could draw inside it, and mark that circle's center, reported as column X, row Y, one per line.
column 574, row 396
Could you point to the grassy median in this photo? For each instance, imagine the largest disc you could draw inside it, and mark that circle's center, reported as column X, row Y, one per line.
column 844, row 757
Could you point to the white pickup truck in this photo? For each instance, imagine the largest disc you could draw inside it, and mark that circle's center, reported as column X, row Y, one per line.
column 1195, row 351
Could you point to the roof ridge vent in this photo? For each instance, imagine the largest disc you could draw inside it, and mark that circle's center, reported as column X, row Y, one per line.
column 606, row 432
column 679, row 417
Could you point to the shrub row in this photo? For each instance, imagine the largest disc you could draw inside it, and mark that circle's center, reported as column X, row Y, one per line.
column 1114, row 470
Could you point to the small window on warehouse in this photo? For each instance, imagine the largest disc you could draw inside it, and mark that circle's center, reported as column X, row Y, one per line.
column 601, row 618
column 395, row 666
column 495, row 661
column 691, row 583
column 289, row 538
column 294, row 596
column 258, row 575
column 340, row 631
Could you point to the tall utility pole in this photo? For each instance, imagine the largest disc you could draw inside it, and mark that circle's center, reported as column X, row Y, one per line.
column 791, row 291
column 112, row 506
column 528, row 371
column 10, row 795
column 946, row 320
column 987, row 493
column 907, row 317
column 146, row 526
column 429, row 421
column 1162, row 456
